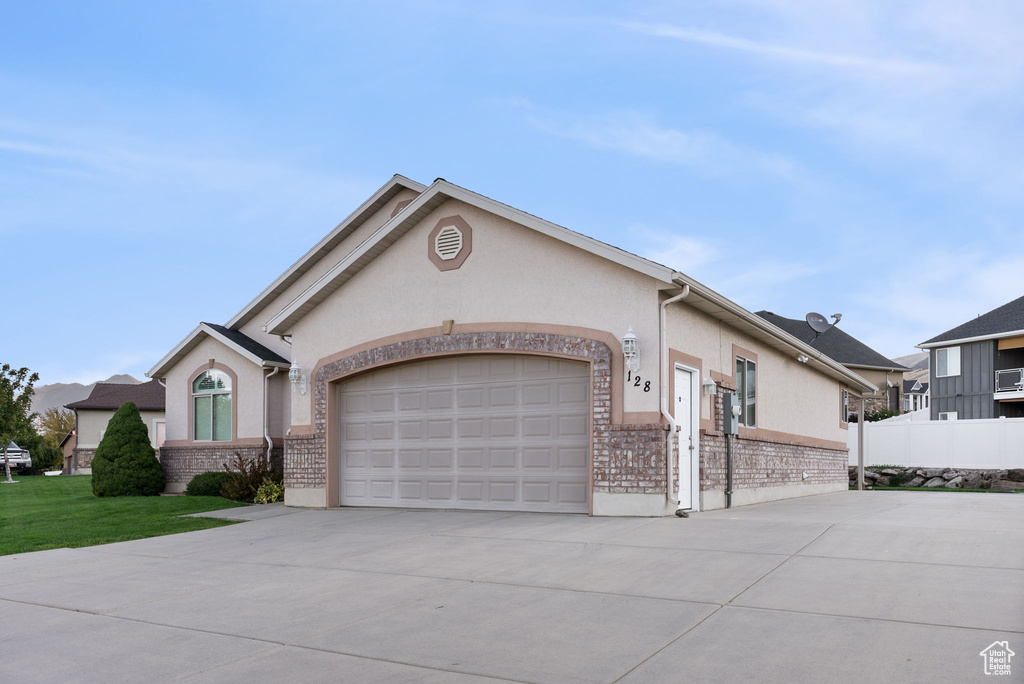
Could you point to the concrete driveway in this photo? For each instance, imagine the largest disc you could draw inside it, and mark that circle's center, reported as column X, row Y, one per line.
column 871, row 586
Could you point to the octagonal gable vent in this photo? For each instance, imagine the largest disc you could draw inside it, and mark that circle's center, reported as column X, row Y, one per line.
column 448, row 243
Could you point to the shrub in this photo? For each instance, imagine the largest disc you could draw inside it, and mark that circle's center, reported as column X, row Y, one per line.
column 245, row 477
column 901, row 478
column 125, row 463
column 880, row 414
column 210, row 483
column 269, row 492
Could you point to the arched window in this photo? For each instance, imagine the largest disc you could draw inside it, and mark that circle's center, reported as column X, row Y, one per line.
column 211, row 407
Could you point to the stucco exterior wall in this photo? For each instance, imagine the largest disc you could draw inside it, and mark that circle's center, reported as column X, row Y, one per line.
column 513, row 275
column 254, row 327
column 247, row 393
column 92, row 422
column 791, row 397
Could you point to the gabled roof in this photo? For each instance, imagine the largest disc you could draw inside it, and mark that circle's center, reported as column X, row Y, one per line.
column 148, row 396
column 233, row 339
column 914, row 387
column 835, row 343
column 1004, row 321
column 322, row 248
column 71, row 433
column 700, row 297
column 439, row 192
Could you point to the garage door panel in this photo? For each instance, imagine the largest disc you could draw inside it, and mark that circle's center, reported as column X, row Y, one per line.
column 506, row 432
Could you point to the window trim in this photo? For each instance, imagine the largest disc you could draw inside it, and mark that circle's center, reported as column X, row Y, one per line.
column 212, row 365
column 741, row 391
column 949, row 371
column 947, row 415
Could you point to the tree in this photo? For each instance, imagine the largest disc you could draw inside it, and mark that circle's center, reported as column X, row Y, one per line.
column 54, row 424
column 125, row 463
column 17, row 386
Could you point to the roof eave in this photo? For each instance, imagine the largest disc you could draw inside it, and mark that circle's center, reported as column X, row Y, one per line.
column 193, row 340
column 965, row 340
column 308, row 260
column 733, row 314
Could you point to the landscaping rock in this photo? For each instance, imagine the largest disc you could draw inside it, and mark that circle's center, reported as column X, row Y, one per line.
column 871, row 475
column 949, row 475
column 882, row 482
column 974, row 481
column 1015, row 475
column 889, row 471
column 1006, row 485
column 955, row 483
column 916, row 482
column 935, row 482
column 932, row 472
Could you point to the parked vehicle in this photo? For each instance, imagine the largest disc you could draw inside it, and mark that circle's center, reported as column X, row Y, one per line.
column 20, row 459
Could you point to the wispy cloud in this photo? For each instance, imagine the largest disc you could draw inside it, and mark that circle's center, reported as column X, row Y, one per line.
column 639, row 134
column 781, row 52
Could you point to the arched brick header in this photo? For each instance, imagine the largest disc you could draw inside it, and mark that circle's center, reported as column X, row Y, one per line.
column 580, row 348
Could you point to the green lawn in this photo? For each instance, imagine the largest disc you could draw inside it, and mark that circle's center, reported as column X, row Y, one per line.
column 53, row 512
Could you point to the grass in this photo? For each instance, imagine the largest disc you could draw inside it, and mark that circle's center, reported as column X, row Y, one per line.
column 41, row 513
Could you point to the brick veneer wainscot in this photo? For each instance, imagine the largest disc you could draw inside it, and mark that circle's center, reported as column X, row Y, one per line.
column 626, row 458
column 182, row 463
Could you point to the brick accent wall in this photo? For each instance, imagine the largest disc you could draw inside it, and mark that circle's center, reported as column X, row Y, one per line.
column 83, row 457
column 763, row 463
column 630, row 458
column 305, row 461
column 181, row 464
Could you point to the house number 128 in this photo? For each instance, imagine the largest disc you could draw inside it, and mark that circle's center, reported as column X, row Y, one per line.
column 635, row 379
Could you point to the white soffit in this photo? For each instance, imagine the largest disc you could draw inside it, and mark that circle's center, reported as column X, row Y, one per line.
column 192, row 341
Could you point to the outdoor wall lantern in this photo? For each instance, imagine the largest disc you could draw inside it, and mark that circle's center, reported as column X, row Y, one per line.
column 631, row 351
column 709, row 387
column 297, row 378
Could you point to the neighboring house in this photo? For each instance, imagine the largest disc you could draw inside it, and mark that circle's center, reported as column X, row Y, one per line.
column 94, row 412
column 915, row 395
column 882, row 372
column 440, row 349
column 977, row 369
column 67, row 446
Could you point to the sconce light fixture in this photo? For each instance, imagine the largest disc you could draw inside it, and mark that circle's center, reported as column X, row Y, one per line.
column 631, row 351
column 709, row 386
column 297, row 378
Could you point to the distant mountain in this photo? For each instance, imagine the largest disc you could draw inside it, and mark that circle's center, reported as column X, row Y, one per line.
column 917, row 361
column 59, row 393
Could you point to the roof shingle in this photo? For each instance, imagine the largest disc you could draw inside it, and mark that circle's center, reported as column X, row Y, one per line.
column 1007, row 318
column 834, row 343
column 148, row 396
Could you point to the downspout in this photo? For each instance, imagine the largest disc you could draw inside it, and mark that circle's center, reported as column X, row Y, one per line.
column 665, row 413
column 266, row 410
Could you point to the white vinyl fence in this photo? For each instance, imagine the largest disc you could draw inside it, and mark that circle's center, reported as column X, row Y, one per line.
column 981, row 444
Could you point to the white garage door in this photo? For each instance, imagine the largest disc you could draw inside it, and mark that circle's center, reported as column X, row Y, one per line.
column 495, row 432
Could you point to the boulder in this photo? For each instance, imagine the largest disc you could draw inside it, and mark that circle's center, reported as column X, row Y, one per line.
column 973, row 481
column 1015, row 475
column 935, row 482
column 916, row 482
column 890, row 472
column 884, row 482
column 871, row 475
column 1006, row 485
column 956, row 483
column 933, row 472
column 950, row 474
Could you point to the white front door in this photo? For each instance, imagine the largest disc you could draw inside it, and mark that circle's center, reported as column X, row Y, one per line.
column 684, row 420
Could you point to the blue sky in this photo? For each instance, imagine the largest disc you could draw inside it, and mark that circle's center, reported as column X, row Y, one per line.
column 162, row 162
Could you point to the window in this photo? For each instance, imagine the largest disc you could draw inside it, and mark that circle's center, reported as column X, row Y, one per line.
column 947, row 362
column 211, row 407
column 846, row 406
column 746, row 390
column 949, row 415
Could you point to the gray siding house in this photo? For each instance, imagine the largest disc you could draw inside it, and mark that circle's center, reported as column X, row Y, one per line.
column 977, row 369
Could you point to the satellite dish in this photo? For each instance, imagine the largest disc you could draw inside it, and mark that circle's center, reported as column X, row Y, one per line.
column 818, row 323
